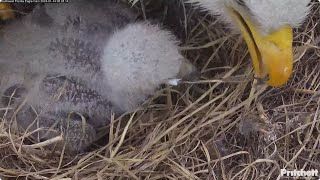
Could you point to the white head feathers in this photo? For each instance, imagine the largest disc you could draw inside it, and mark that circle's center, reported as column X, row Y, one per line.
column 269, row 15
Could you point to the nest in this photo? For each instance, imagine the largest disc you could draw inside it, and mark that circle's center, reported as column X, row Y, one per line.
column 222, row 126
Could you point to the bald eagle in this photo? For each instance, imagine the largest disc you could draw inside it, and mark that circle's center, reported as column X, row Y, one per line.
column 91, row 57
column 266, row 26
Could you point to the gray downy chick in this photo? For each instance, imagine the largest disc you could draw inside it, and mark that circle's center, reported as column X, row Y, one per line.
column 82, row 60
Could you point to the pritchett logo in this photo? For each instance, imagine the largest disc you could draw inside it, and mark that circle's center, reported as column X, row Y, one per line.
column 299, row 173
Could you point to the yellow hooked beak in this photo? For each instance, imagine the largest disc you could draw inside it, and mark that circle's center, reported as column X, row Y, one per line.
column 272, row 55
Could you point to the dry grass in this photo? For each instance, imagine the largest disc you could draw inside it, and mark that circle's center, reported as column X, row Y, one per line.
column 224, row 126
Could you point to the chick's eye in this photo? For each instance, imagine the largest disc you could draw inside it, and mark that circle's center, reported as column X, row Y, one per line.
column 240, row 2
